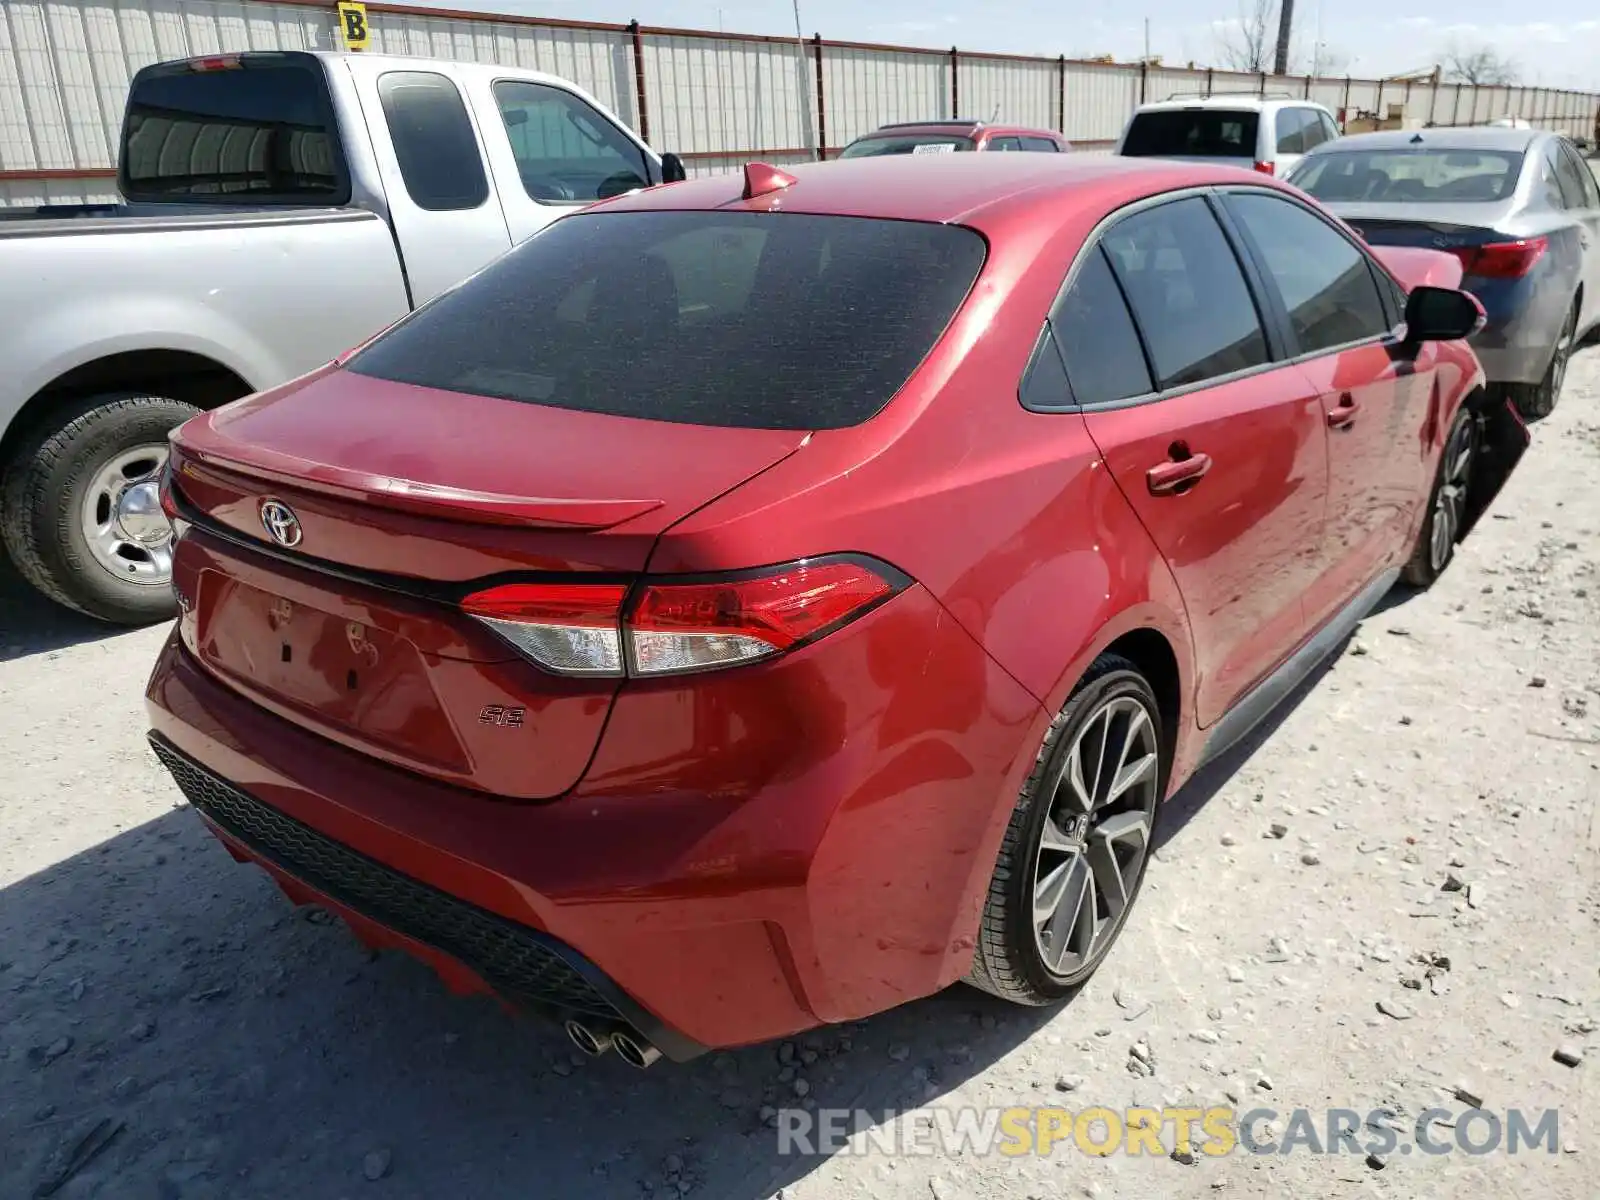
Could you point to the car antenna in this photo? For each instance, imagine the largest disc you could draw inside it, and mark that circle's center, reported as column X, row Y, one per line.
column 761, row 178
column 1415, row 138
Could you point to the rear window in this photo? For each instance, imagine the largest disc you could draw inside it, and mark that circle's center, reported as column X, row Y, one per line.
column 257, row 129
column 1433, row 176
column 759, row 320
column 1192, row 133
column 914, row 143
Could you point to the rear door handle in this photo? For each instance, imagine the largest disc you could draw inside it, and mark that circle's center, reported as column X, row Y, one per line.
column 1343, row 416
column 1166, row 478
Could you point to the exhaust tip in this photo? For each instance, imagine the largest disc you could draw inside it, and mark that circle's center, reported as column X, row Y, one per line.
column 592, row 1042
column 635, row 1051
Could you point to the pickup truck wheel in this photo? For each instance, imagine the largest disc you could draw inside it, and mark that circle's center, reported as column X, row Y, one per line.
column 79, row 510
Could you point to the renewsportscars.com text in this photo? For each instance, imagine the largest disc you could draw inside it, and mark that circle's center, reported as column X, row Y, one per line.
column 1212, row 1132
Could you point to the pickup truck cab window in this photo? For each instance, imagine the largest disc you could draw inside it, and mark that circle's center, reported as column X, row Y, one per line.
column 433, row 141
column 566, row 153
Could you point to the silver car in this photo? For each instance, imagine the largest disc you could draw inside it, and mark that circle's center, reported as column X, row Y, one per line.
column 1519, row 207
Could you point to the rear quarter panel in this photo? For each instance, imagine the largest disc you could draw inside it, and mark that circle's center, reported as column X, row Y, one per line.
column 1007, row 516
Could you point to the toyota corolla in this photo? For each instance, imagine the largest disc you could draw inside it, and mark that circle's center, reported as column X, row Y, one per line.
column 756, row 602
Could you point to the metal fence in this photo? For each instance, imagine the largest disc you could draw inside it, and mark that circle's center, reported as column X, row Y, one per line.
column 717, row 99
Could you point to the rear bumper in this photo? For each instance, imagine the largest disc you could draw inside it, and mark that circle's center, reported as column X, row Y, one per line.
column 386, row 907
column 821, row 868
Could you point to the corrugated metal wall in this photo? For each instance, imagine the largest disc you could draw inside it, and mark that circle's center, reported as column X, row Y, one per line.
column 65, row 67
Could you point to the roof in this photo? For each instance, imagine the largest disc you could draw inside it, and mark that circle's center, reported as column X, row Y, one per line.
column 912, row 128
column 947, row 188
column 1478, row 137
column 1244, row 100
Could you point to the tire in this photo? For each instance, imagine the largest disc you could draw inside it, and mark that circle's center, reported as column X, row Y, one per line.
column 47, row 484
column 1536, row 400
column 1447, row 503
column 1013, row 959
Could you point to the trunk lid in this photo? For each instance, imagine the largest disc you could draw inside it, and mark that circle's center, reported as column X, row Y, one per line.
column 403, row 498
column 1429, row 226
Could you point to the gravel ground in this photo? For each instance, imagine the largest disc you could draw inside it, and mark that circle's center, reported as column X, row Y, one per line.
column 170, row 1027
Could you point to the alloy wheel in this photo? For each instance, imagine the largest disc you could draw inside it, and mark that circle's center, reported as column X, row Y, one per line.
column 1096, row 835
column 1558, row 365
column 121, row 518
column 1450, row 501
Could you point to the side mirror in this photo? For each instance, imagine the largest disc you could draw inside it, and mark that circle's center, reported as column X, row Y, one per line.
column 672, row 169
column 1435, row 314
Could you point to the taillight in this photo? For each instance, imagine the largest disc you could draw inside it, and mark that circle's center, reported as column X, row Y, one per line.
column 691, row 626
column 215, row 62
column 568, row 628
column 671, row 627
column 1266, row 168
column 1502, row 260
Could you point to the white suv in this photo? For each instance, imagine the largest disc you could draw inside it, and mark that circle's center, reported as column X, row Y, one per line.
column 1258, row 133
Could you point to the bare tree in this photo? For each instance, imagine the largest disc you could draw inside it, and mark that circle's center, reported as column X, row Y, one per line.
column 1478, row 65
column 1247, row 42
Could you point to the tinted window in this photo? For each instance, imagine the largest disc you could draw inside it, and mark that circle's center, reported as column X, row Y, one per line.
column 1432, row 176
column 1324, row 280
column 1591, row 190
column 1550, row 186
column 1187, row 293
column 1005, row 144
column 262, row 133
column 1316, row 130
column 1097, row 338
column 1291, row 126
column 715, row 318
column 1045, row 386
column 919, row 143
column 565, row 150
column 433, row 140
column 1192, row 133
column 1040, row 145
column 1329, row 129
column 1568, row 178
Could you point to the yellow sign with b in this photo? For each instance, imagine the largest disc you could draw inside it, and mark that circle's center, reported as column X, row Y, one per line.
column 353, row 28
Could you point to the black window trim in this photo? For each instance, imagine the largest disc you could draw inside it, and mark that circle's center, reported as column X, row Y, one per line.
column 652, row 170
column 1255, row 286
column 1280, row 313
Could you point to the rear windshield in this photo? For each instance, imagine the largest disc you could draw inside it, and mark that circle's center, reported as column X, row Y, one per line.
column 745, row 319
column 1192, row 133
column 247, row 128
column 910, row 143
column 1434, row 176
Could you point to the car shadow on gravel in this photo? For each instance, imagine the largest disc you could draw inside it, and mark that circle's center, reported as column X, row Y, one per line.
column 152, row 988
column 30, row 624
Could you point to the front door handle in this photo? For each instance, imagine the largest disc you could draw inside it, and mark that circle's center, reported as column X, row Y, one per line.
column 1343, row 416
column 1166, row 478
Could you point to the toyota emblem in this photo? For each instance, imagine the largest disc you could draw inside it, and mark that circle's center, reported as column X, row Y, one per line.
column 282, row 526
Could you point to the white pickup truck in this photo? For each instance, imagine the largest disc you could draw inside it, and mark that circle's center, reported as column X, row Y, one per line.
column 281, row 208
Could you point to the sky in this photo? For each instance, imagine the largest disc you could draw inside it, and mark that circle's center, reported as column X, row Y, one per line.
column 1364, row 37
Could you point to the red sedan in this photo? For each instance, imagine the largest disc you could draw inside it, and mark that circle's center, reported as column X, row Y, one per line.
column 740, row 610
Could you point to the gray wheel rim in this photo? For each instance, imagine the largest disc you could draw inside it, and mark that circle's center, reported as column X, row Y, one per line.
column 1095, row 836
column 1449, row 505
column 1558, row 366
column 128, row 535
